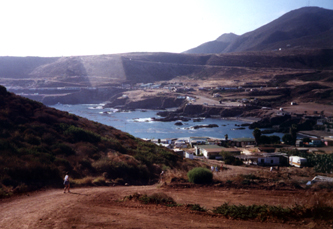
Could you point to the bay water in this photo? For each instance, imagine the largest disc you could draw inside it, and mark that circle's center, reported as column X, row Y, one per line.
column 139, row 123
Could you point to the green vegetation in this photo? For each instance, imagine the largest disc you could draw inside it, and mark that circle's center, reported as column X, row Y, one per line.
column 322, row 163
column 156, row 198
column 256, row 134
column 229, row 159
column 318, row 211
column 200, row 175
column 263, row 212
column 287, row 139
column 196, row 207
column 39, row 145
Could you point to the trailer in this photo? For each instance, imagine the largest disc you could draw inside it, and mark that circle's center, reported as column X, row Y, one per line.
column 297, row 161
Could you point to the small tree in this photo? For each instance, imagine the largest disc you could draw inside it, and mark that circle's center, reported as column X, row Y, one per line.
column 293, row 133
column 256, row 134
column 287, row 139
column 264, row 139
column 275, row 139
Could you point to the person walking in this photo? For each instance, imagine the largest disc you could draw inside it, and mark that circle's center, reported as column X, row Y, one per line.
column 161, row 176
column 66, row 183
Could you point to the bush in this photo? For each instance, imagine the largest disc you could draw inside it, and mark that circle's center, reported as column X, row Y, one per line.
column 62, row 148
column 156, row 198
column 287, row 139
column 79, row 134
column 231, row 160
column 275, row 139
column 120, row 169
column 196, row 207
column 3, row 90
column 200, row 176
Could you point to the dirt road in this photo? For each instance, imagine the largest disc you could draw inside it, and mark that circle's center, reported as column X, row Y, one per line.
column 101, row 207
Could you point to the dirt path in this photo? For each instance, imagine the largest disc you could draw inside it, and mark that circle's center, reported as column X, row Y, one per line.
column 100, row 207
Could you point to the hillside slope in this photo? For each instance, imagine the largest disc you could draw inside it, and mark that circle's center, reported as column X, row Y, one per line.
column 39, row 144
column 308, row 27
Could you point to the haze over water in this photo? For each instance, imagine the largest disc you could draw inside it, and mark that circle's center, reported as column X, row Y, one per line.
column 139, row 124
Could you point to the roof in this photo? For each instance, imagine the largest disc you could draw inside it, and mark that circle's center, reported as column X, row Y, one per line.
column 213, row 150
column 209, row 147
column 267, row 149
column 243, row 139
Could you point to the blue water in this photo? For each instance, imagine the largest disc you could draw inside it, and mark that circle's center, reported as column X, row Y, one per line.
column 139, row 123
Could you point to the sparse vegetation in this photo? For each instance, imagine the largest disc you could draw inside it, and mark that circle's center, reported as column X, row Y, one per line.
column 156, row 198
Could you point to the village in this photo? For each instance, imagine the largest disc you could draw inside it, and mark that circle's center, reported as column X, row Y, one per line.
column 246, row 151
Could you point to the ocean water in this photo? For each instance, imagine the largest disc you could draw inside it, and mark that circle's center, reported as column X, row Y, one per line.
column 140, row 124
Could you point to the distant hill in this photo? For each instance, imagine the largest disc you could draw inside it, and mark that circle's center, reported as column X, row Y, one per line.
column 113, row 70
column 217, row 46
column 308, row 27
column 38, row 144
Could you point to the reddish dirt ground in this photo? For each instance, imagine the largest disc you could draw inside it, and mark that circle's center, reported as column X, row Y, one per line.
column 101, row 207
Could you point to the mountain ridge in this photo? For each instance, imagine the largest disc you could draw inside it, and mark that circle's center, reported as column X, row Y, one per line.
column 307, row 27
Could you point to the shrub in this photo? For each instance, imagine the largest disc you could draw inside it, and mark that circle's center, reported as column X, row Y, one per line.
column 287, row 139
column 231, row 160
column 79, row 134
column 197, row 207
column 3, row 90
column 99, row 181
column 86, row 181
column 275, row 139
column 156, row 198
column 119, row 169
column 200, row 175
column 62, row 148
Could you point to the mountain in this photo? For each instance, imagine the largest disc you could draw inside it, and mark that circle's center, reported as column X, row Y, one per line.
column 217, row 46
column 308, row 27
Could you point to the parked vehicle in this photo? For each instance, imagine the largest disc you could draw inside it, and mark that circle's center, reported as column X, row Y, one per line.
column 297, row 161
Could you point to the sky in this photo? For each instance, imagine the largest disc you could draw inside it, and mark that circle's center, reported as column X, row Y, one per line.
column 79, row 27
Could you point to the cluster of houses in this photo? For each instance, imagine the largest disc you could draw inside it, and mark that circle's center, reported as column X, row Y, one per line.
column 241, row 148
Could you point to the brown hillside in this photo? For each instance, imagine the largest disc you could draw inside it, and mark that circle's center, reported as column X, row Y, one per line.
column 39, row 144
column 308, row 27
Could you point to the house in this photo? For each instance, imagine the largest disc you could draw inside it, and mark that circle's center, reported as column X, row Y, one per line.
column 250, row 151
column 267, row 149
column 179, row 152
column 197, row 141
column 189, row 155
column 273, row 159
column 242, row 142
column 214, row 151
column 180, row 143
column 208, row 151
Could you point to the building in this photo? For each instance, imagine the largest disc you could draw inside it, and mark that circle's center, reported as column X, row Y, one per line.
column 180, row 143
column 269, row 160
column 264, row 159
column 214, row 151
column 198, row 141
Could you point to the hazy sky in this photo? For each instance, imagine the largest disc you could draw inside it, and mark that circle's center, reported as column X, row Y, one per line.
column 80, row 27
